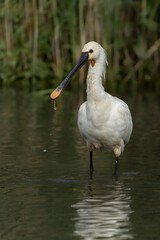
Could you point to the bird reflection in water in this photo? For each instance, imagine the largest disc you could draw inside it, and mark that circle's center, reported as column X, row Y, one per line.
column 104, row 214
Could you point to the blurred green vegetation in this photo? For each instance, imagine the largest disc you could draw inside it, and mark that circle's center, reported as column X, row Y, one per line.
column 40, row 40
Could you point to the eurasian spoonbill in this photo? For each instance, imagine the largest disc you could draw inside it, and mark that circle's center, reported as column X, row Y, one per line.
column 104, row 121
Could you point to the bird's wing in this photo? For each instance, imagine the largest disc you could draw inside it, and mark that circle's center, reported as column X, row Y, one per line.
column 127, row 119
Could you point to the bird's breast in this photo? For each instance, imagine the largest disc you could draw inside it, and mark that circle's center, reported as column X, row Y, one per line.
column 103, row 124
column 94, row 127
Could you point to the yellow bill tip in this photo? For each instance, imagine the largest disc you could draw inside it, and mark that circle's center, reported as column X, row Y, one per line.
column 55, row 94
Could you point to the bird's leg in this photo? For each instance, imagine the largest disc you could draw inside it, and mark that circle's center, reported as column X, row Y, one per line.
column 91, row 162
column 116, row 166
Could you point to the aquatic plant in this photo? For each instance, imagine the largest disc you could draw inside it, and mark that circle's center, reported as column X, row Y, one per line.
column 41, row 40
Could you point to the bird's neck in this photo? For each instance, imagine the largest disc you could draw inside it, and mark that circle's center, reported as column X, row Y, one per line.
column 96, row 74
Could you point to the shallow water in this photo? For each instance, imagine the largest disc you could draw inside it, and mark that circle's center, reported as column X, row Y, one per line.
column 46, row 191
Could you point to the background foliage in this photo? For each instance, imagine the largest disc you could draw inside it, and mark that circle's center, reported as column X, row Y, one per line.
column 40, row 40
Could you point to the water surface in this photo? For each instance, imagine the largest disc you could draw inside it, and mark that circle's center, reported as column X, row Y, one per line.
column 46, row 191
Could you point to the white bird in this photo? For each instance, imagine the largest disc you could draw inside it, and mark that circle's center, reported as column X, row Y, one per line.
column 104, row 121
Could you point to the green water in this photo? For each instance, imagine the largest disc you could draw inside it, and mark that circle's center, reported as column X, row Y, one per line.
column 46, row 191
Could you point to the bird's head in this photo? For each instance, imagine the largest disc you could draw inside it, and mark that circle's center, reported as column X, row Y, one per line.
column 95, row 51
column 91, row 51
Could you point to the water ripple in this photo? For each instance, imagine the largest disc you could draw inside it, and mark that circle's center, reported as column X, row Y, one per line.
column 104, row 216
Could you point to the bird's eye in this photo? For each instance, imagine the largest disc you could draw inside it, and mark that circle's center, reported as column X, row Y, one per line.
column 91, row 50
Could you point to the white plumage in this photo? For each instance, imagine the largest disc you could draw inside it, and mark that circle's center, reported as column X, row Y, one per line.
column 104, row 121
